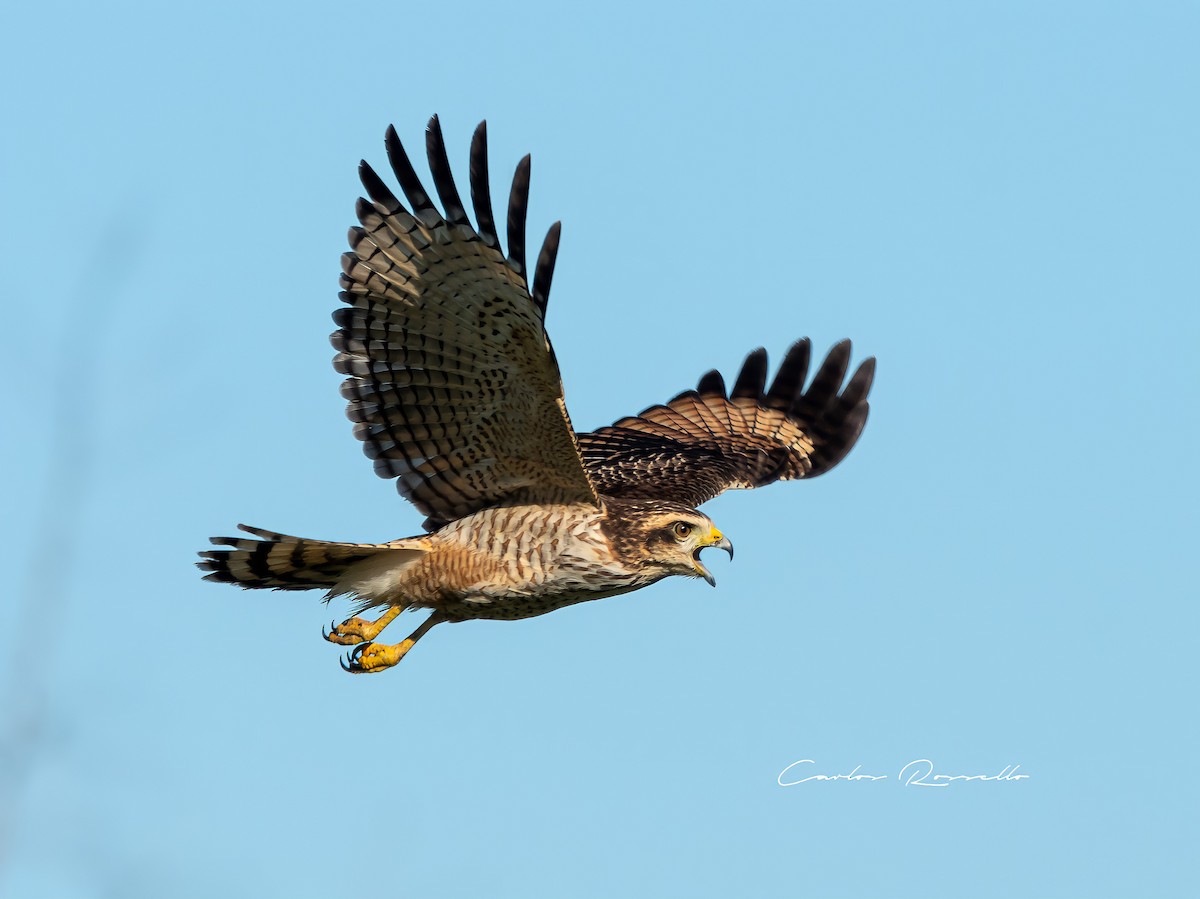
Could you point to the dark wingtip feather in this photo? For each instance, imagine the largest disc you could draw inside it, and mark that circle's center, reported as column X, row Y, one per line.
column 443, row 178
column 481, row 193
column 418, row 197
column 518, row 205
column 838, row 443
column 789, row 380
column 753, row 376
column 363, row 208
column 260, row 532
column 859, row 385
column 544, row 273
column 840, row 349
column 711, row 384
column 829, row 377
column 376, row 188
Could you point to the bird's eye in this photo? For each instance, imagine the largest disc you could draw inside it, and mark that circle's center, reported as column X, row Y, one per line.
column 681, row 530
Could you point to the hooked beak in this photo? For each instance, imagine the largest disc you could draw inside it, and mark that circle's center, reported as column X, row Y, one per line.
column 717, row 540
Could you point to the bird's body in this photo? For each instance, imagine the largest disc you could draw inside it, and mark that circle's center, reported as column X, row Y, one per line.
column 455, row 393
column 522, row 561
column 518, row 562
column 544, row 557
column 501, row 563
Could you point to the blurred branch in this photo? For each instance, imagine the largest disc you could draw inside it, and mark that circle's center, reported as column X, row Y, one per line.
column 28, row 706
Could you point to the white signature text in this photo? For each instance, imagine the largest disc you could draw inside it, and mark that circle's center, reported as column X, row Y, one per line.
column 917, row 773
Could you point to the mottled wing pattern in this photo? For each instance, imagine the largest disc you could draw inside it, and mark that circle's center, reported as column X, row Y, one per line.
column 452, row 382
column 705, row 441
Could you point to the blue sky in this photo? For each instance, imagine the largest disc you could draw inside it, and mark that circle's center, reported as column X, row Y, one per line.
column 999, row 201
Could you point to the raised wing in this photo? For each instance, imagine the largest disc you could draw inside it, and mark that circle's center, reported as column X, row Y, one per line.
column 704, row 442
column 452, row 381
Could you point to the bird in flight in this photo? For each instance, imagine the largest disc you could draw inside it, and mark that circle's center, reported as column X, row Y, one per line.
column 454, row 390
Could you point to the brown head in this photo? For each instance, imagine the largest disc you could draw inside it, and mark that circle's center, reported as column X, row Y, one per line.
column 661, row 537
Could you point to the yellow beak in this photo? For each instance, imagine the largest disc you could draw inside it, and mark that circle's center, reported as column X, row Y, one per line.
column 720, row 541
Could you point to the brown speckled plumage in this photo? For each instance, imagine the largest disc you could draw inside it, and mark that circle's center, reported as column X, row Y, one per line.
column 454, row 390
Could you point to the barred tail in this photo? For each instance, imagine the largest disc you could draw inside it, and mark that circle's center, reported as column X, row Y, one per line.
column 279, row 562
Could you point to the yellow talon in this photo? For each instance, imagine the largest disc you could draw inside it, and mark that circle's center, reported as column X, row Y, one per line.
column 347, row 633
column 359, row 630
column 369, row 658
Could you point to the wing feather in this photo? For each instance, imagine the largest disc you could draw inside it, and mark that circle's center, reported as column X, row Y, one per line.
column 544, row 273
column 451, row 381
column 443, row 179
column 481, row 194
column 704, row 441
column 518, row 205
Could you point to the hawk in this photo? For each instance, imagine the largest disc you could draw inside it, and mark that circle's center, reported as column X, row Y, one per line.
column 455, row 392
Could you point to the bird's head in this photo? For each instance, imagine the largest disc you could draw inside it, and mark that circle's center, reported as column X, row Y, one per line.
column 669, row 538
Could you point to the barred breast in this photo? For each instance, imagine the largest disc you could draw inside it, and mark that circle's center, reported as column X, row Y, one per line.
column 518, row 562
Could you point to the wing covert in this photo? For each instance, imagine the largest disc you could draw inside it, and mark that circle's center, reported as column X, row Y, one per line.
column 451, row 380
column 705, row 441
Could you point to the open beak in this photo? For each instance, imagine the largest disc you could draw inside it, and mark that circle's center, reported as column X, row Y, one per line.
column 719, row 541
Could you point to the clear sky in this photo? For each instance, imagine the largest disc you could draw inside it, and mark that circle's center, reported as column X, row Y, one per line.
column 998, row 200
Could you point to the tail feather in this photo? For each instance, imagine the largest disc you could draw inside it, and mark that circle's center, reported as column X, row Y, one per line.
column 281, row 562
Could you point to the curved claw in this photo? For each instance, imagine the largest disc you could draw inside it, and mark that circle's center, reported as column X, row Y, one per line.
column 350, row 661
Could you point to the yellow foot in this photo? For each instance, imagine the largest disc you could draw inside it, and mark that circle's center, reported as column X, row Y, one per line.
column 359, row 630
column 354, row 630
column 368, row 658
